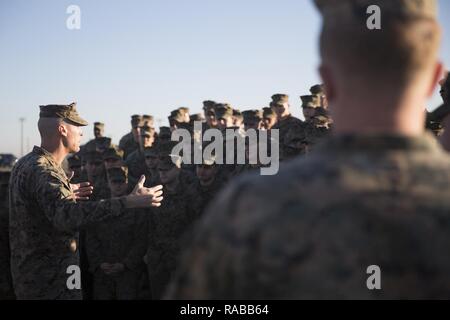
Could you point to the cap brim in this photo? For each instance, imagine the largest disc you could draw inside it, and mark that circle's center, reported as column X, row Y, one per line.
column 76, row 121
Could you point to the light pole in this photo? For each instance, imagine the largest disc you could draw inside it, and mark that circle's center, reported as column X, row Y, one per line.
column 22, row 120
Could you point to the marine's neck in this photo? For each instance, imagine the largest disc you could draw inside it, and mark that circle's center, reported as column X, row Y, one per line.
column 58, row 152
column 397, row 120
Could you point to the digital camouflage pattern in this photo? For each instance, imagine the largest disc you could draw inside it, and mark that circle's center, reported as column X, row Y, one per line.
column 101, row 188
column 352, row 203
column 122, row 240
column 6, row 289
column 136, row 166
column 44, row 224
column 285, row 126
column 100, row 144
column 167, row 226
column 128, row 145
column 206, row 194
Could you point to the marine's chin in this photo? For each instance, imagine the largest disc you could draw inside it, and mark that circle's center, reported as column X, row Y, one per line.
column 75, row 149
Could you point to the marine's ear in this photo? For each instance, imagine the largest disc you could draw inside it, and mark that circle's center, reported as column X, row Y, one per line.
column 439, row 71
column 62, row 129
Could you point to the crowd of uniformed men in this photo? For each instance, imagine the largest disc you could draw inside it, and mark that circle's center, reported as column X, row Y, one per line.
column 134, row 257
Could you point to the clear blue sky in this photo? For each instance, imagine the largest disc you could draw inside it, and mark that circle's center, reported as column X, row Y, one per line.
column 154, row 56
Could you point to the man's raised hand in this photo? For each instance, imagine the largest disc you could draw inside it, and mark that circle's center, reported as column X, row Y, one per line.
column 143, row 197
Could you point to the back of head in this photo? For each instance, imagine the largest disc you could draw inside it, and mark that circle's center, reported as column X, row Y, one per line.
column 48, row 128
column 405, row 46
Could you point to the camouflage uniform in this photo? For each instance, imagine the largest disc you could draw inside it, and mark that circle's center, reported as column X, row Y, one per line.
column 168, row 225
column 100, row 183
column 136, row 161
column 128, row 145
column 44, row 220
column 206, row 194
column 136, row 166
column 123, row 240
column 75, row 165
column 151, row 174
column 294, row 142
column 318, row 128
column 286, row 124
column 101, row 192
column 6, row 289
column 100, row 144
column 434, row 119
column 354, row 202
column 127, row 142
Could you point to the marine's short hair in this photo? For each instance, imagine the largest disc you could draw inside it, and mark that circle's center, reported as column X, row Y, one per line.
column 406, row 44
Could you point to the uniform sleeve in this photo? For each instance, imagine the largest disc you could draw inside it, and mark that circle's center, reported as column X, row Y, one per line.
column 56, row 200
column 122, row 142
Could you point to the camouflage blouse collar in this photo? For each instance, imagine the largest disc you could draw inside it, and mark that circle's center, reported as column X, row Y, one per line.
column 42, row 152
column 381, row 142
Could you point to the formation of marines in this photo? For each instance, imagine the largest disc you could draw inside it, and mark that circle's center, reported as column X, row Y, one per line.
column 141, row 252
column 134, row 257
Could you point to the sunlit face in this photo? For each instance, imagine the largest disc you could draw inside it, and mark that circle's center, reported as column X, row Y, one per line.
column 169, row 175
column 269, row 122
column 147, row 140
column 308, row 113
column 206, row 174
column 224, row 123
column 71, row 135
column 237, row 122
column 118, row 187
column 281, row 110
column 211, row 120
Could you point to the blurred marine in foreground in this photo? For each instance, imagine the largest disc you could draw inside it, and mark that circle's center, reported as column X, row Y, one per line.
column 376, row 193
